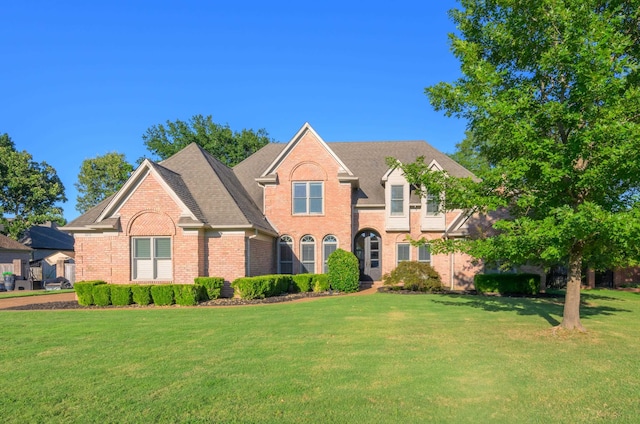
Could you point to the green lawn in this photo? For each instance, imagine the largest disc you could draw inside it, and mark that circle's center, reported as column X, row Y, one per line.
column 363, row 359
column 26, row 293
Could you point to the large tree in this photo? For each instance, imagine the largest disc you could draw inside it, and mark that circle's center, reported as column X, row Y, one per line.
column 230, row 147
column 551, row 91
column 29, row 190
column 469, row 155
column 99, row 178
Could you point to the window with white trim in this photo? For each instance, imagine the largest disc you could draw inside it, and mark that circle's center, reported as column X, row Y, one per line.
column 329, row 245
column 424, row 253
column 308, row 198
column 285, row 255
column 403, row 252
column 433, row 204
column 151, row 258
column 397, row 200
column 307, row 255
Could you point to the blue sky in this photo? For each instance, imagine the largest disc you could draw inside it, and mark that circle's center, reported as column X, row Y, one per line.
column 79, row 78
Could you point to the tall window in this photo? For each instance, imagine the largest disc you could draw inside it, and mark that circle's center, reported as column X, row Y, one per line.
column 151, row 258
column 397, row 200
column 329, row 245
column 285, row 254
column 424, row 253
column 308, row 255
column 403, row 252
column 307, row 198
column 433, row 204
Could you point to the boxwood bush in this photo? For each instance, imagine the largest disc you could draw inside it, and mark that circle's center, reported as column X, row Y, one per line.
column 121, row 295
column 320, row 283
column 185, row 294
column 261, row 286
column 301, row 283
column 102, row 294
column 84, row 291
column 162, row 294
column 141, row 294
column 344, row 271
column 212, row 286
column 520, row 284
column 414, row 276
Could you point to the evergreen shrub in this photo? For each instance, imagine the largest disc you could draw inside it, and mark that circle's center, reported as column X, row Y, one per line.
column 84, row 291
column 102, row 294
column 212, row 287
column 344, row 271
column 414, row 276
column 162, row 294
column 320, row 283
column 121, row 295
column 301, row 283
column 520, row 284
column 261, row 286
column 141, row 294
column 185, row 294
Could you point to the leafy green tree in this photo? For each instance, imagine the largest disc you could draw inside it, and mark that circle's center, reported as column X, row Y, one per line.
column 99, row 178
column 29, row 190
column 550, row 90
column 230, row 147
column 469, row 155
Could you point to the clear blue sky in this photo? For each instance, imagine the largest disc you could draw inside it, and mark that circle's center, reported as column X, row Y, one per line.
column 80, row 78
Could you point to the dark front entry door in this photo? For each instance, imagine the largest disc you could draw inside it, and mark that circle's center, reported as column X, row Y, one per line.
column 367, row 249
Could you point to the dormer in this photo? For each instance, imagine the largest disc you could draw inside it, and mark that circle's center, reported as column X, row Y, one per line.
column 396, row 194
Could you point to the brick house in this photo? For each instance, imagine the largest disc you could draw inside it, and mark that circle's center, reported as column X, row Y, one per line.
column 282, row 210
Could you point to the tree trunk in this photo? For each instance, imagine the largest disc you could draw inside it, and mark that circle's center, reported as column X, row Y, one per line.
column 571, row 314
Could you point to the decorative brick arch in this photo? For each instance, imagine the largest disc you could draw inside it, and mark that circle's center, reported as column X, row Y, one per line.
column 151, row 223
column 308, row 171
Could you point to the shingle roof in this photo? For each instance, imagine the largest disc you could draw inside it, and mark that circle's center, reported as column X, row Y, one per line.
column 7, row 243
column 367, row 161
column 47, row 236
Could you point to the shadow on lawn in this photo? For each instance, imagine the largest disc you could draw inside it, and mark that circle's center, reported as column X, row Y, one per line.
column 547, row 306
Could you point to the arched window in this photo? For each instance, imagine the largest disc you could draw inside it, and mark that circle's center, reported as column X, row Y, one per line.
column 307, row 255
column 329, row 245
column 285, row 255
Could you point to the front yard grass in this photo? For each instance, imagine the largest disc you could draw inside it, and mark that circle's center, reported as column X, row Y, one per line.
column 382, row 358
column 25, row 293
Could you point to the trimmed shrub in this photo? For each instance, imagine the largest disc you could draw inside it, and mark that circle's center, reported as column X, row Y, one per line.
column 212, row 286
column 162, row 294
column 185, row 294
column 344, row 271
column 261, row 286
column 102, row 294
column 507, row 283
column 141, row 294
column 121, row 295
column 320, row 283
column 301, row 283
column 414, row 276
column 84, row 291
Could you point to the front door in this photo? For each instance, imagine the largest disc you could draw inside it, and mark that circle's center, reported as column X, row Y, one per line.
column 367, row 250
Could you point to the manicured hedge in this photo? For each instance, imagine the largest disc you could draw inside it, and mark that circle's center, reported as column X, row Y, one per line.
column 261, row 286
column 121, row 295
column 301, row 283
column 414, row 276
column 320, row 283
column 141, row 294
column 344, row 271
column 212, row 287
column 185, row 294
column 84, row 291
column 102, row 295
column 507, row 283
column 162, row 294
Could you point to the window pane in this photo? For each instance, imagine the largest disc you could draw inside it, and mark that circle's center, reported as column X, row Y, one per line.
column 397, row 200
column 163, row 269
column 286, row 268
column 315, row 205
column 403, row 252
column 433, row 204
column 300, row 190
column 307, row 253
column 143, row 269
column 424, row 253
column 286, row 253
column 299, row 205
column 397, row 192
column 142, row 248
column 163, row 248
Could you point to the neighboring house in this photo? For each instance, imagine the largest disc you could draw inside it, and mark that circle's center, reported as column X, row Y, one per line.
column 14, row 256
column 52, row 249
column 282, row 210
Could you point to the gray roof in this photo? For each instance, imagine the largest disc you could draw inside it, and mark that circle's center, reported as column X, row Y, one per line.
column 7, row 243
column 366, row 160
column 47, row 236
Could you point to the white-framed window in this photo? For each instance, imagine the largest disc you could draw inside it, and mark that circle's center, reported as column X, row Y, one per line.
column 433, row 204
column 329, row 245
column 151, row 258
column 397, row 200
column 285, row 255
column 307, row 255
column 424, row 253
column 403, row 252
column 308, row 198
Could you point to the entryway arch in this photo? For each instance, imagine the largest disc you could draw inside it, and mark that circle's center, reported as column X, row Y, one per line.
column 368, row 250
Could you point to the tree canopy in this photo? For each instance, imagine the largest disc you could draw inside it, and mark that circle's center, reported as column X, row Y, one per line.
column 468, row 155
column 551, row 92
column 230, row 147
column 99, row 178
column 29, row 190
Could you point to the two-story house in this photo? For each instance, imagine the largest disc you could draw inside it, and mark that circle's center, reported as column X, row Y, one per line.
column 282, row 210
